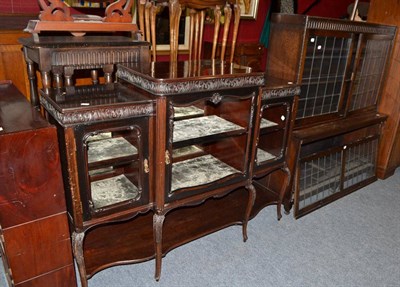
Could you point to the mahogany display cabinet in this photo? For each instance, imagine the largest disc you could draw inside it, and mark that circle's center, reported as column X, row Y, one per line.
column 105, row 138
column 341, row 67
column 205, row 117
column 35, row 243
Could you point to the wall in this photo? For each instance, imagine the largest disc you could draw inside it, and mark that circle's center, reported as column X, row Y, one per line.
column 19, row 6
column 325, row 8
column 249, row 30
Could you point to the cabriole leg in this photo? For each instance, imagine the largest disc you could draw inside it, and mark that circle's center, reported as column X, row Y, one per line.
column 158, row 221
column 252, row 196
column 77, row 245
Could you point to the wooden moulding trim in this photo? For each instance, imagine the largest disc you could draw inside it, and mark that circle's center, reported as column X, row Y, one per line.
column 35, row 26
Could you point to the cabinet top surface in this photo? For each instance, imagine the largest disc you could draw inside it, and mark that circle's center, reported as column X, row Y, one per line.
column 337, row 127
column 312, row 22
column 53, row 42
column 16, row 113
column 83, row 104
column 164, row 78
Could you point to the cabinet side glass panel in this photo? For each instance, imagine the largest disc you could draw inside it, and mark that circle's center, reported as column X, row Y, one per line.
column 323, row 75
column 272, row 136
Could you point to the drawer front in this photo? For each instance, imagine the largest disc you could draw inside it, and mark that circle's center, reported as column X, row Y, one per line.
column 30, row 247
column 30, row 177
column 340, row 140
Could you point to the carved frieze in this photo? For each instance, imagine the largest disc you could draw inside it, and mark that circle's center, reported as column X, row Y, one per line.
column 280, row 92
column 189, row 86
column 98, row 114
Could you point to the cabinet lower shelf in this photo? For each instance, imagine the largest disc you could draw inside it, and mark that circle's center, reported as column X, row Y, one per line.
column 203, row 170
column 113, row 190
column 263, row 155
column 106, row 149
column 199, row 127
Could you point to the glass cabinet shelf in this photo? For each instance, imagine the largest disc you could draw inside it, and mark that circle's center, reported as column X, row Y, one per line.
column 186, row 151
column 109, row 148
column 263, row 155
column 201, row 127
column 113, row 190
column 181, row 113
column 267, row 123
column 199, row 171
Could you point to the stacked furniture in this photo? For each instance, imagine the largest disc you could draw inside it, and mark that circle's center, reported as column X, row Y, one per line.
column 341, row 67
column 156, row 154
column 35, row 243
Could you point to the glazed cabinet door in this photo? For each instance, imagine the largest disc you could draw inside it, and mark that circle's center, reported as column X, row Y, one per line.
column 324, row 74
column 114, row 166
column 272, row 139
column 333, row 167
column 208, row 141
column 368, row 72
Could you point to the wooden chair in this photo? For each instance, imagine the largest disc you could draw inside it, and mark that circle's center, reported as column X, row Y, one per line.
column 147, row 10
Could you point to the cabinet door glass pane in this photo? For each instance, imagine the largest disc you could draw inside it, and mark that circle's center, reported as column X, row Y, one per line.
column 272, row 137
column 209, row 141
column 369, row 73
column 319, row 178
column 360, row 163
column 323, row 75
column 113, row 168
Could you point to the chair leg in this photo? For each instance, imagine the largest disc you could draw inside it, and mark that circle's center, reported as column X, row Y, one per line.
column 202, row 16
column 175, row 11
column 228, row 16
column 235, row 31
column 153, row 13
column 217, row 21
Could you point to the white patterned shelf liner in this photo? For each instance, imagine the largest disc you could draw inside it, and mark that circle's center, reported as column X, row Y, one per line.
column 190, row 111
column 113, row 190
column 201, row 127
column 198, row 171
column 109, row 148
column 99, row 136
column 186, row 150
column 263, row 155
column 267, row 124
